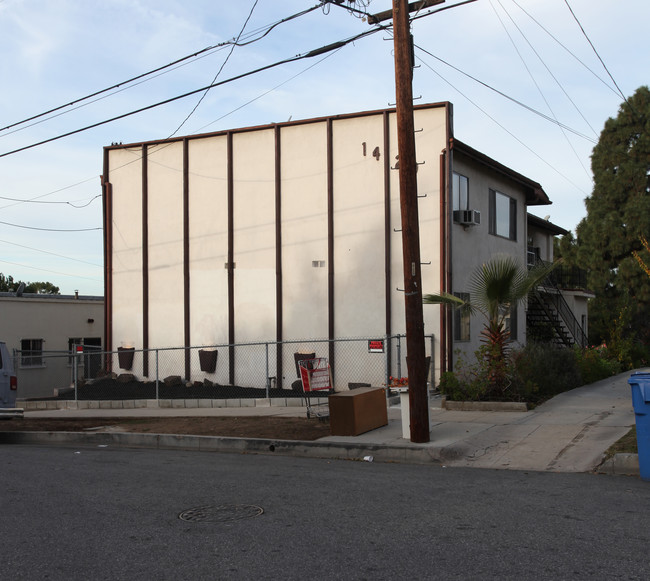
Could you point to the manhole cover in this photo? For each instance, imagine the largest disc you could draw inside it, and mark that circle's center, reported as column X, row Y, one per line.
column 220, row 513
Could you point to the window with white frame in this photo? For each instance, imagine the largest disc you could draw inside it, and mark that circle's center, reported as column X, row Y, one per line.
column 503, row 215
column 31, row 353
column 461, row 320
column 460, row 191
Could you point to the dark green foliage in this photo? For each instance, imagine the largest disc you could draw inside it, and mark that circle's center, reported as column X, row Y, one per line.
column 8, row 284
column 542, row 370
column 618, row 214
column 533, row 374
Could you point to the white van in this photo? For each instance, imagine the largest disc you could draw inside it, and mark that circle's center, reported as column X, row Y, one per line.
column 8, row 385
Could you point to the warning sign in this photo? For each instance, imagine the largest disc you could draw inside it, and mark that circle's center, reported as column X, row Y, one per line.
column 376, row 346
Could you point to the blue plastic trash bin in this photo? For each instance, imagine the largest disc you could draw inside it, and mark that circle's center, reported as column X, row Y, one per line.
column 640, row 384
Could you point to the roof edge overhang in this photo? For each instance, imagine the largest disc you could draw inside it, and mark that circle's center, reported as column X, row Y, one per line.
column 535, row 194
column 441, row 104
column 546, row 225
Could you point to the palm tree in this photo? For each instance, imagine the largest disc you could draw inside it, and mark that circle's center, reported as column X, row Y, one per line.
column 495, row 287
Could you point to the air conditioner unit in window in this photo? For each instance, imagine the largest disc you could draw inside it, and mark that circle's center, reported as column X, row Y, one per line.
column 467, row 217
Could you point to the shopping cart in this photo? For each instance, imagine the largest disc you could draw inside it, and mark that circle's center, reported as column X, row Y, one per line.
column 316, row 377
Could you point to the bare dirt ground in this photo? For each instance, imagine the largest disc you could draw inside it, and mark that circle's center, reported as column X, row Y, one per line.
column 236, row 427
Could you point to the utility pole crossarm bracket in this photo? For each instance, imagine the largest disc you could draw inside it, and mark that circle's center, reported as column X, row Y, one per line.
column 413, row 7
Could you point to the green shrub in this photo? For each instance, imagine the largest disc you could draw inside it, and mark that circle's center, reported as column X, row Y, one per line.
column 596, row 363
column 542, row 370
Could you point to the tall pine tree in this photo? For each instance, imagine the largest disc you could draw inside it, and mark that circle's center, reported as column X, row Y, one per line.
column 618, row 216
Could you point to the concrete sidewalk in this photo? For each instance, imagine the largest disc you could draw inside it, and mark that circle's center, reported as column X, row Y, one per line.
column 569, row 433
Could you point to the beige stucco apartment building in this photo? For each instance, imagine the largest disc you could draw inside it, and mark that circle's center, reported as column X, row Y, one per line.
column 292, row 231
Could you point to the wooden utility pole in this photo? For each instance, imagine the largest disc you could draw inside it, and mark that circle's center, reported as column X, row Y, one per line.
column 415, row 361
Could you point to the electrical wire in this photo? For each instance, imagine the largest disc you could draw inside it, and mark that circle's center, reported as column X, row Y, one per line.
column 595, row 51
column 522, row 143
column 310, row 54
column 508, row 97
column 539, row 89
column 565, row 47
column 262, row 32
column 50, row 193
column 557, row 82
column 95, row 278
column 49, row 229
column 49, row 202
column 52, row 253
column 223, row 64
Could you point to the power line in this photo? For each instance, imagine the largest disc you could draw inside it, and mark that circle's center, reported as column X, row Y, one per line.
column 595, row 51
column 49, row 202
column 49, row 229
column 564, row 47
column 539, row 89
column 50, row 193
column 263, row 31
column 312, row 53
column 95, row 278
column 557, row 82
column 502, row 127
column 52, row 253
column 506, row 96
column 223, row 64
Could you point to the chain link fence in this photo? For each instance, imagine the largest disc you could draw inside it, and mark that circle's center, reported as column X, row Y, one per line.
column 239, row 371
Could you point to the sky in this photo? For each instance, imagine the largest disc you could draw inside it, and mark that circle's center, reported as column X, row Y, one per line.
column 495, row 60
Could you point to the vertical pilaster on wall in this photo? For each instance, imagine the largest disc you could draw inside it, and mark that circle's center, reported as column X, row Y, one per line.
column 278, row 253
column 230, row 265
column 387, row 240
column 444, row 311
column 145, row 262
column 330, row 246
column 107, row 208
column 186, row 256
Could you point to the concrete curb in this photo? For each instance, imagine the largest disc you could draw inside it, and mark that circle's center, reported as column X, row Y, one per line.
column 41, row 405
column 625, row 464
column 484, row 406
column 332, row 450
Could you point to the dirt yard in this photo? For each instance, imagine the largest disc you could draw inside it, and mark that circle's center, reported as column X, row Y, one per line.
column 237, row 427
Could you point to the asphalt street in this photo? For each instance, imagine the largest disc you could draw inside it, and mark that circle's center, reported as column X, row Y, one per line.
column 99, row 513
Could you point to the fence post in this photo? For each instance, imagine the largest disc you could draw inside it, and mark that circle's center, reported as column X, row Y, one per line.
column 75, row 371
column 432, row 365
column 399, row 356
column 386, row 362
column 268, row 379
column 157, row 377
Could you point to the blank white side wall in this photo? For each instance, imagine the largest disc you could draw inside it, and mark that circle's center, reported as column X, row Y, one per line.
column 287, row 232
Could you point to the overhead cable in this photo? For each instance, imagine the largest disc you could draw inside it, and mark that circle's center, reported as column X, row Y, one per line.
column 223, row 64
column 266, row 30
column 309, row 54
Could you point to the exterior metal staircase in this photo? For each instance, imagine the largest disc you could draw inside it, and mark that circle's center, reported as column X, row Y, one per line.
column 549, row 317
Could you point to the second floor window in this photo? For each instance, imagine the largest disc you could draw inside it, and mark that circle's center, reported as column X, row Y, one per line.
column 503, row 215
column 460, row 192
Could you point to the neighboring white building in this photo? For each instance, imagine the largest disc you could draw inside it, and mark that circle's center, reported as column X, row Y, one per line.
column 291, row 231
column 42, row 330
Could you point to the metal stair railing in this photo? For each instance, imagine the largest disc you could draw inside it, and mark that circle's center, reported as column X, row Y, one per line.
column 564, row 310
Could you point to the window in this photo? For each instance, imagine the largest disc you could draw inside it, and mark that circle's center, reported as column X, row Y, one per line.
column 460, row 191
column 503, row 215
column 461, row 320
column 31, row 353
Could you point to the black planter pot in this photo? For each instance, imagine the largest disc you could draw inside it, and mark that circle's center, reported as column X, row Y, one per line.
column 208, row 360
column 125, row 357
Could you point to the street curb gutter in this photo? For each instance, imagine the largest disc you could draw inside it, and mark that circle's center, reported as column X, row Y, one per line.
column 620, row 464
column 305, row 449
